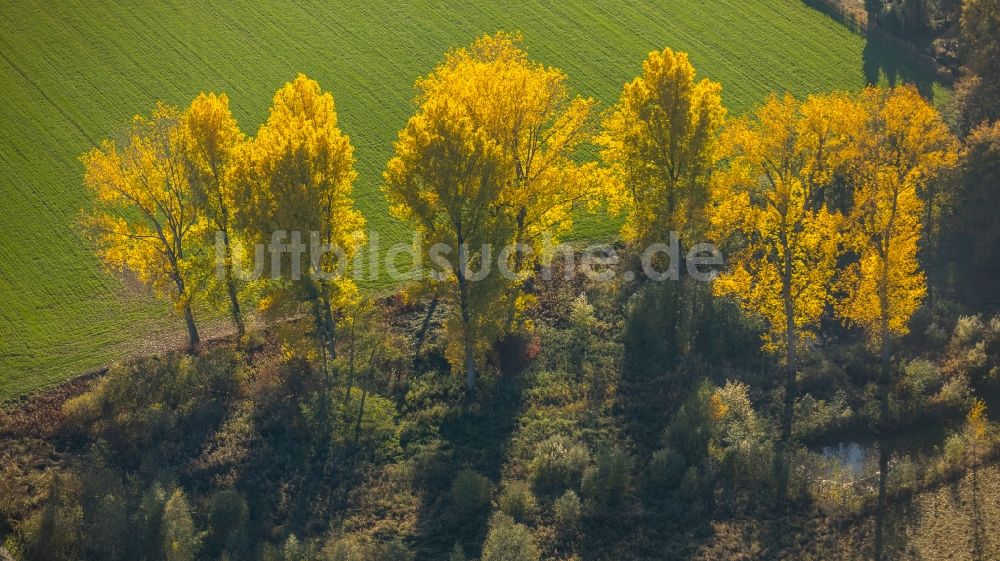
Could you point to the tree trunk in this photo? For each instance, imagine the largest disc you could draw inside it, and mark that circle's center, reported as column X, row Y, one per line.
column 470, row 359
column 321, row 339
column 518, row 265
column 193, row 339
column 790, row 366
column 234, row 307
column 885, row 376
column 781, row 466
column 361, row 415
column 234, row 301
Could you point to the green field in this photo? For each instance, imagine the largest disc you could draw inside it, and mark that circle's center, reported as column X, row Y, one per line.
column 72, row 72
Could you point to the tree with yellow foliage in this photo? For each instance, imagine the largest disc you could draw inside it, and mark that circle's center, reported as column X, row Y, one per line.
column 526, row 109
column 212, row 143
column 445, row 178
column 769, row 200
column 296, row 181
column 144, row 218
column 901, row 145
column 488, row 158
column 660, row 142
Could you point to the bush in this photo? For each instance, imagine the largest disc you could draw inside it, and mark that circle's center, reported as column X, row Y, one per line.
column 457, row 553
column 518, row 501
column 85, row 409
column 369, row 426
column 292, row 550
column 666, row 469
column 817, row 416
column 227, row 519
column 935, row 336
column 968, row 330
column 558, row 463
column 738, row 425
column 694, row 487
column 509, row 541
column 608, row 480
column 566, row 511
column 694, row 425
column 181, row 540
column 395, row 550
column 55, row 532
column 954, row 451
column 903, row 476
column 346, row 548
column 921, row 376
column 955, row 392
column 470, row 493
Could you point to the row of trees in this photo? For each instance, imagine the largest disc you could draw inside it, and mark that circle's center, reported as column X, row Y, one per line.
column 796, row 188
column 175, row 180
column 490, row 160
column 828, row 199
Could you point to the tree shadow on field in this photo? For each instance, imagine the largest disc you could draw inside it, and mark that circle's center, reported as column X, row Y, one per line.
column 884, row 63
column 978, row 538
column 475, row 439
column 885, row 59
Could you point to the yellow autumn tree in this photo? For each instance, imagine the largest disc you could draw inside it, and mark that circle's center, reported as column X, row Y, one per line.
column 769, row 202
column 212, row 143
column 901, row 146
column 144, row 218
column 660, row 141
column 495, row 130
column 445, row 178
column 296, row 181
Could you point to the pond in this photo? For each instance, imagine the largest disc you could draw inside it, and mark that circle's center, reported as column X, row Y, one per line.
column 855, row 460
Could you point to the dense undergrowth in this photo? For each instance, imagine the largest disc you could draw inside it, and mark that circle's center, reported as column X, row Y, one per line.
column 617, row 425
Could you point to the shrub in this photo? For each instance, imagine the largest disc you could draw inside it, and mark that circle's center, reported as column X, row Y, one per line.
column 457, row 553
column 607, row 481
column 665, row 470
column 470, row 493
column 518, row 501
column 55, row 532
column 369, row 426
column 227, row 518
column 694, row 487
column 694, row 425
column 973, row 359
column 86, row 408
column 816, row 416
column 921, row 375
column 968, row 330
column 558, row 463
column 292, row 550
column 566, row 511
column 902, row 476
column 955, row 392
column 345, row 548
column 935, row 336
column 954, row 451
column 582, row 324
column 738, row 425
column 180, row 538
column 508, row 541
column 395, row 550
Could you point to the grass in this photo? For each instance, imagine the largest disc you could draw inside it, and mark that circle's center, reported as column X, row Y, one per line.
column 72, row 72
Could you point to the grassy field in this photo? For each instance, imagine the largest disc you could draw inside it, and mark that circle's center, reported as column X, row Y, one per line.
column 72, row 72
